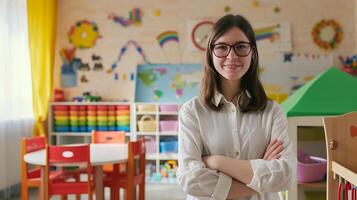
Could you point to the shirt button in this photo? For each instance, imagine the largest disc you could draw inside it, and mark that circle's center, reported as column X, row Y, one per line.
column 233, row 110
column 237, row 153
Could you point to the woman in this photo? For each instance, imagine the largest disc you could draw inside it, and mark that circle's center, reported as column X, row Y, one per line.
column 233, row 141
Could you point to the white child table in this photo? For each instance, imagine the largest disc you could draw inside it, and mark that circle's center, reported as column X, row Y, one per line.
column 100, row 154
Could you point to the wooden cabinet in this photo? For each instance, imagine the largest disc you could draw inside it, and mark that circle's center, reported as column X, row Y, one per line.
column 295, row 129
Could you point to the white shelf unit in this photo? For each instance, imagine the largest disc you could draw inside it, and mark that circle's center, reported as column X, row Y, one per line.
column 156, row 158
column 297, row 190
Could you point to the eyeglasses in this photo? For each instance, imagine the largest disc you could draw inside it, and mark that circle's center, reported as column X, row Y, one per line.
column 241, row 49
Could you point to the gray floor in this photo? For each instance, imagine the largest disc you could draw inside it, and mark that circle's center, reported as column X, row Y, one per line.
column 153, row 192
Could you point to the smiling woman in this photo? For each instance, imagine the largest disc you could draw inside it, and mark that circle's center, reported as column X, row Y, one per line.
column 233, row 140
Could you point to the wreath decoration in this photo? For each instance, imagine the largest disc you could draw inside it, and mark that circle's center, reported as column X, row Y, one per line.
column 323, row 43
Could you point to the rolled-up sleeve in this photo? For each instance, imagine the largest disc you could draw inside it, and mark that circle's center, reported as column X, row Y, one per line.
column 196, row 180
column 278, row 174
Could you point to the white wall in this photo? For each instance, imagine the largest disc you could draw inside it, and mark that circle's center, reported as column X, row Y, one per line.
column 176, row 15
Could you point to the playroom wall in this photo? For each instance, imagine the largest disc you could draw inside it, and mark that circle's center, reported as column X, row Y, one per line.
column 179, row 15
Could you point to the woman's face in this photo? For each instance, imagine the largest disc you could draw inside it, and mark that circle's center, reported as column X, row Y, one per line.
column 232, row 67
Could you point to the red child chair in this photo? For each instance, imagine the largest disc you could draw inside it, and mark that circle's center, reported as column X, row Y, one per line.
column 30, row 177
column 106, row 137
column 135, row 174
column 69, row 156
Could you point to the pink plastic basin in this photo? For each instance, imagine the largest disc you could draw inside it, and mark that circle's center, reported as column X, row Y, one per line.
column 168, row 125
column 168, row 108
column 312, row 171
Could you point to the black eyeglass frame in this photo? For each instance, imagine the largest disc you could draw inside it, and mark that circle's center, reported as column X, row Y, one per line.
column 251, row 45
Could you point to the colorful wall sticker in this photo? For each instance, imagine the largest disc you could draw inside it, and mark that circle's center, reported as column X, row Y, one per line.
column 135, row 18
column 84, row 34
column 69, row 67
column 123, row 50
column 270, row 32
column 165, row 37
column 275, row 37
column 327, row 34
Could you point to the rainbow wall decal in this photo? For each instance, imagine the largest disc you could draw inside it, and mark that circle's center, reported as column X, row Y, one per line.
column 167, row 36
column 269, row 32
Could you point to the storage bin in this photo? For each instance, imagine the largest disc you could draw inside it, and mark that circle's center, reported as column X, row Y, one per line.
column 112, row 128
column 150, row 146
column 73, row 108
column 61, row 128
column 168, row 147
column 62, row 108
column 82, row 128
column 310, row 168
column 74, row 128
column 91, row 108
column 91, row 123
column 123, row 112
column 146, row 108
column 124, row 118
column 102, row 113
column 111, row 113
column 123, row 107
column 73, row 113
column 102, row 108
column 91, row 128
column 168, row 108
column 91, row 118
column 102, row 128
column 119, row 123
column 91, row 113
column 123, row 128
column 60, row 112
column 147, row 123
column 61, row 118
column 102, row 118
column 168, row 125
column 102, row 123
column 61, row 123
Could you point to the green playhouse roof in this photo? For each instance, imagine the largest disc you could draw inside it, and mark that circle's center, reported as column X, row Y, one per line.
column 331, row 93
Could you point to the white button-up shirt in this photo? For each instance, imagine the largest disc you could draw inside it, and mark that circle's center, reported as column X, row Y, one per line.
column 232, row 133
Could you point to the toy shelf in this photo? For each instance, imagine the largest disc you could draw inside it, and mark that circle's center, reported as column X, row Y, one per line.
column 158, row 128
column 72, row 122
column 157, row 123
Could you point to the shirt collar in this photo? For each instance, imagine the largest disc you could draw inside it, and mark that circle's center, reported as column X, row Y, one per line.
column 218, row 97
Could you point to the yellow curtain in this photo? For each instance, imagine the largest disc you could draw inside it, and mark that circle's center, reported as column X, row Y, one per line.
column 42, row 31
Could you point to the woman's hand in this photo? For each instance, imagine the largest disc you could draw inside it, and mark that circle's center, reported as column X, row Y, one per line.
column 273, row 150
column 211, row 162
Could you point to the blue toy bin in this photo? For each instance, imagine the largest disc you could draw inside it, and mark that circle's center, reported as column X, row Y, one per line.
column 74, row 128
column 61, row 129
column 168, row 147
column 112, row 128
column 91, row 128
column 123, row 128
column 83, row 128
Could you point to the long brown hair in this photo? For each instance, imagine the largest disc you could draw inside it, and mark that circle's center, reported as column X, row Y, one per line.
column 256, row 99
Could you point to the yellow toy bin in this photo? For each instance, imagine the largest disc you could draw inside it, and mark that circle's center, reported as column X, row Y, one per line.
column 147, row 123
column 146, row 108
